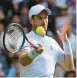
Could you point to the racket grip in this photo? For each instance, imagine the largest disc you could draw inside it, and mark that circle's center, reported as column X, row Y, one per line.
column 36, row 46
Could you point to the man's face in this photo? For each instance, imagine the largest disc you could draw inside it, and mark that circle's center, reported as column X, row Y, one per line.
column 40, row 20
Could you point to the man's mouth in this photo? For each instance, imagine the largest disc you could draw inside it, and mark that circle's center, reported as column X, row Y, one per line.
column 44, row 27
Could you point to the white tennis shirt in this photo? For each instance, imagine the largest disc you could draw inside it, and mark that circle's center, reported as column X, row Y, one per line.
column 44, row 64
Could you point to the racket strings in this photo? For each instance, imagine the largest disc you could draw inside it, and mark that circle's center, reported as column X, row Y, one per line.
column 14, row 34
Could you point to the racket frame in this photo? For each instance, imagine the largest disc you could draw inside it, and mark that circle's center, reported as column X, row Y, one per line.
column 24, row 36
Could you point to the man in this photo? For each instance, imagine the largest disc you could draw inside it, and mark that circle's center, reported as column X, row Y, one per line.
column 41, row 62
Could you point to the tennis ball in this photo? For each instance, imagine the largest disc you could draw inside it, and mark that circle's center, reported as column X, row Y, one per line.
column 40, row 30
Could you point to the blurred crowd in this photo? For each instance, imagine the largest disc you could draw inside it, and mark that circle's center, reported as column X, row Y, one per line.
column 16, row 11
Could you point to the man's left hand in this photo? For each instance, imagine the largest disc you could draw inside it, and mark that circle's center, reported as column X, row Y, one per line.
column 63, row 35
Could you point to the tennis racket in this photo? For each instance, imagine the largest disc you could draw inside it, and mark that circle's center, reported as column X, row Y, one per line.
column 14, row 38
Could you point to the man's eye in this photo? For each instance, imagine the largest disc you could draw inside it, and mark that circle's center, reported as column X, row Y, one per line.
column 39, row 18
column 45, row 18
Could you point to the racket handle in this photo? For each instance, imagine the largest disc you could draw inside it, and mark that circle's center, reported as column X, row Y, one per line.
column 35, row 46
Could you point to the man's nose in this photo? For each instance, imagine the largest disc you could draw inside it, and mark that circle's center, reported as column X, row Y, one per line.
column 44, row 20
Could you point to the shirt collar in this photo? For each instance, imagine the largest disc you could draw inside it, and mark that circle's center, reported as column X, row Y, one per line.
column 34, row 34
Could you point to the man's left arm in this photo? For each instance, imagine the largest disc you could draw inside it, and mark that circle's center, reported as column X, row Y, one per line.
column 67, row 63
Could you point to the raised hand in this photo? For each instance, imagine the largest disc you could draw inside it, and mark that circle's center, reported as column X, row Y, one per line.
column 63, row 34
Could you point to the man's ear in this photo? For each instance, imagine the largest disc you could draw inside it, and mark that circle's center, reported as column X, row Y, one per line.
column 31, row 20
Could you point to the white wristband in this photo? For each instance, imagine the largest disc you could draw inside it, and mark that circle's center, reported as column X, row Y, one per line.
column 32, row 54
column 67, row 48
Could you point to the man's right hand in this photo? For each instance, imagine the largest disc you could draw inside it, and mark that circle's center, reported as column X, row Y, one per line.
column 40, row 49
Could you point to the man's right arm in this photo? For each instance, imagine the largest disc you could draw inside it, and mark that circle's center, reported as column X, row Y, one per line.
column 25, row 57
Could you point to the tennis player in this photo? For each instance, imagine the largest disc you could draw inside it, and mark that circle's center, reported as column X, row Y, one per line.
column 41, row 62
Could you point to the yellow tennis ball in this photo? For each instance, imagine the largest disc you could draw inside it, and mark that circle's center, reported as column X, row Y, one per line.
column 40, row 31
